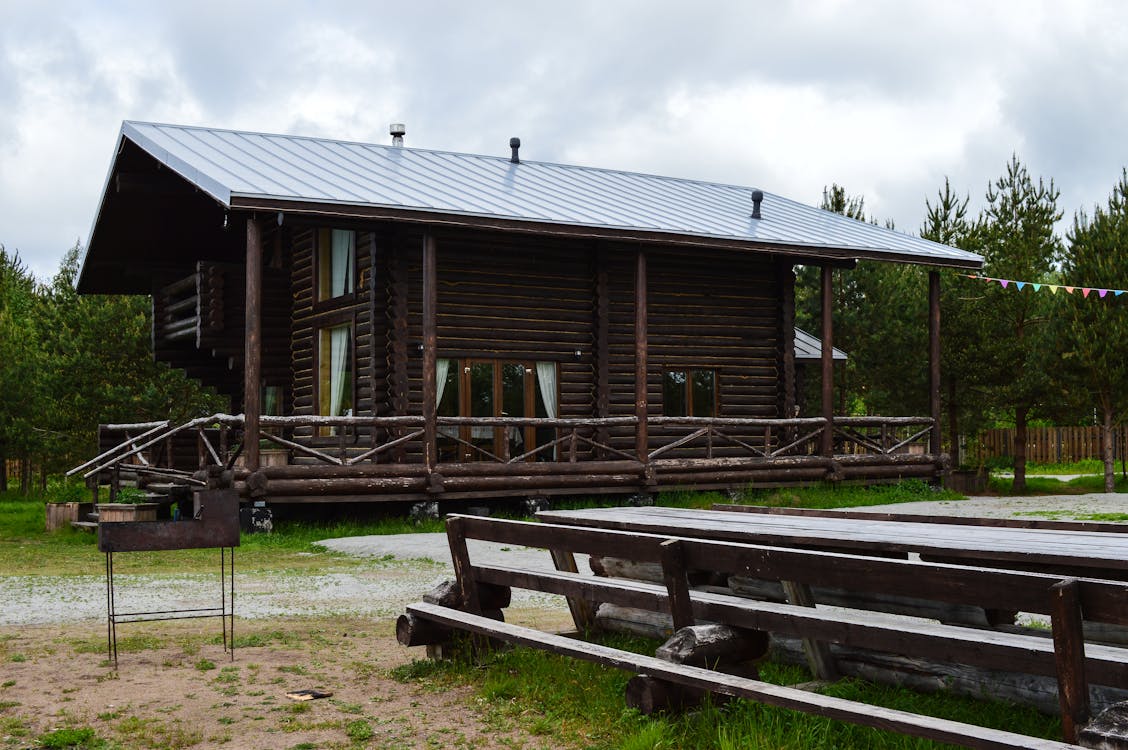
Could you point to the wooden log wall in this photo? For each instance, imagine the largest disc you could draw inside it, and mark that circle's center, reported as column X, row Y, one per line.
column 707, row 311
column 214, row 355
column 541, row 299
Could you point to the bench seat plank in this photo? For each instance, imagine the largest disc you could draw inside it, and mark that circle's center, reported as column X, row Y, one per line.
column 878, row 717
column 989, row 649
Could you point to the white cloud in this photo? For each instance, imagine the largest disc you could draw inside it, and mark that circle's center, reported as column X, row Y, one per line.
column 886, row 98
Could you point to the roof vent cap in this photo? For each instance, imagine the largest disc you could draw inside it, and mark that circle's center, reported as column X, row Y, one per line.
column 515, row 144
column 398, row 130
column 757, row 199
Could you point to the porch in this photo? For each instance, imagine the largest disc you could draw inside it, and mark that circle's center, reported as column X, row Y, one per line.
column 370, row 459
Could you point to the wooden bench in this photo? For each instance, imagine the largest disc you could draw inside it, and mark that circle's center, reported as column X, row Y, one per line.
column 1064, row 656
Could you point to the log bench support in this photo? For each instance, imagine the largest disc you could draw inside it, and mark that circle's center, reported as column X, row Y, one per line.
column 692, row 677
column 716, row 628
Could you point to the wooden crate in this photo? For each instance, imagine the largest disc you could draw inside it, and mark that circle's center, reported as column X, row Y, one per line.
column 60, row 515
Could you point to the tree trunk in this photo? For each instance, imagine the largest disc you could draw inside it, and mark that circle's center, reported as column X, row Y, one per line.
column 1019, row 450
column 1107, row 454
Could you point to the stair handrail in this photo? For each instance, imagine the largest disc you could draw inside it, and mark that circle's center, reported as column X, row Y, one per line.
column 152, row 427
column 190, row 425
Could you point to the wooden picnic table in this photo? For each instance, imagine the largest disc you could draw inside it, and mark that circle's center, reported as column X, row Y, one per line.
column 1085, row 553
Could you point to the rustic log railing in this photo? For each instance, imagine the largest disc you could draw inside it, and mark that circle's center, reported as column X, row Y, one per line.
column 684, row 451
column 778, row 434
column 882, row 435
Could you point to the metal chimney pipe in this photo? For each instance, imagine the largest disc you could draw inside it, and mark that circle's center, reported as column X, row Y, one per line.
column 757, row 199
column 398, row 130
column 515, row 144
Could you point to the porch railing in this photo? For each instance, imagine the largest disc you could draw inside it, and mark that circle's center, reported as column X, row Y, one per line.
column 220, row 439
column 780, row 437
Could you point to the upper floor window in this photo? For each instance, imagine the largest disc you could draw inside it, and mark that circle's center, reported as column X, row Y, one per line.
column 689, row 393
column 336, row 263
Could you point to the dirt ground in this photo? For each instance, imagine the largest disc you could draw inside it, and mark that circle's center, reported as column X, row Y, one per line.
column 176, row 688
column 333, row 631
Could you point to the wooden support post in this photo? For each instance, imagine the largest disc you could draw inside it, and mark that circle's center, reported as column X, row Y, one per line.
column 642, row 438
column 819, row 658
column 581, row 609
column 602, row 347
column 460, row 557
column 1069, row 652
column 373, row 350
column 430, row 341
column 788, row 399
column 252, row 359
column 677, row 583
column 934, row 360
column 827, row 446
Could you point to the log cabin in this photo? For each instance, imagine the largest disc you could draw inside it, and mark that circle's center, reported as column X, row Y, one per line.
column 395, row 323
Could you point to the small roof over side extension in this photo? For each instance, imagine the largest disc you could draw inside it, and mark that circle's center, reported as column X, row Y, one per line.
column 255, row 171
column 808, row 348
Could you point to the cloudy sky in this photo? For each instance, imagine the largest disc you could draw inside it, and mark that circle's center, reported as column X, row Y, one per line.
column 886, row 98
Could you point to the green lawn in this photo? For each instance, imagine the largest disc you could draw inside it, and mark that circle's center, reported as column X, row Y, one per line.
column 578, row 704
column 26, row 547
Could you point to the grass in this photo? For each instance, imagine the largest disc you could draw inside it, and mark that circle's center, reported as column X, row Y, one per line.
column 80, row 737
column 27, row 547
column 1086, row 466
column 291, row 547
column 847, row 496
column 1040, row 485
column 581, row 704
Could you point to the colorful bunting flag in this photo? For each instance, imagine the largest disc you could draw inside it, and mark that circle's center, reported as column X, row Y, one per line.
column 1037, row 286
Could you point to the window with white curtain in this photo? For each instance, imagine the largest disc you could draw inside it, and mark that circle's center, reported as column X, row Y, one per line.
column 335, row 372
column 336, row 263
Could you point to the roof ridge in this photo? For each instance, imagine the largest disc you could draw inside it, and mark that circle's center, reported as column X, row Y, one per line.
column 448, row 152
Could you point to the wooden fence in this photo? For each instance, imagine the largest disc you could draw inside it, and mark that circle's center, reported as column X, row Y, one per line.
column 1053, row 444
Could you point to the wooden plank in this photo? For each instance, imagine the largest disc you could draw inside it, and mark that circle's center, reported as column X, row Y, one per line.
column 1069, row 648
column 460, row 557
column 1015, row 523
column 676, row 578
column 1098, row 552
column 1005, row 651
column 834, row 708
column 819, row 658
column 583, row 615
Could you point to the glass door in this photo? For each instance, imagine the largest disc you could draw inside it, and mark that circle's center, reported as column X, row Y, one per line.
column 497, row 388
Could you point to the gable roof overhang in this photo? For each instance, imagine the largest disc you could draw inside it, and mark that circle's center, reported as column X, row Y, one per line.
column 170, row 190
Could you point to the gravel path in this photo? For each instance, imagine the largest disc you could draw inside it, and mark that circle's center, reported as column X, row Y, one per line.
column 1060, row 507
column 418, row 563
column 403, row 568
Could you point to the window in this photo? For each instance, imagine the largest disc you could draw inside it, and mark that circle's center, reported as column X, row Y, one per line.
column 689, row 393
column 336, row 263
column 495, row 388
column 335, row 373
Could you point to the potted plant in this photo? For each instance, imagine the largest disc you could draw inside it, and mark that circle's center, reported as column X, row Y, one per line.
column 131, row 505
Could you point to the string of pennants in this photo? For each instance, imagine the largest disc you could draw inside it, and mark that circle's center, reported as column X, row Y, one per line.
column 1053, row 288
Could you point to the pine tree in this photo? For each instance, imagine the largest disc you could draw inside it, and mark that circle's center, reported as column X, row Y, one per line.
column 1016, row 232
column 1090, row 331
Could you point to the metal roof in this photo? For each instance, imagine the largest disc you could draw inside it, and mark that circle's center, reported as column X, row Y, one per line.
column 256, row 170
column 807, row 347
